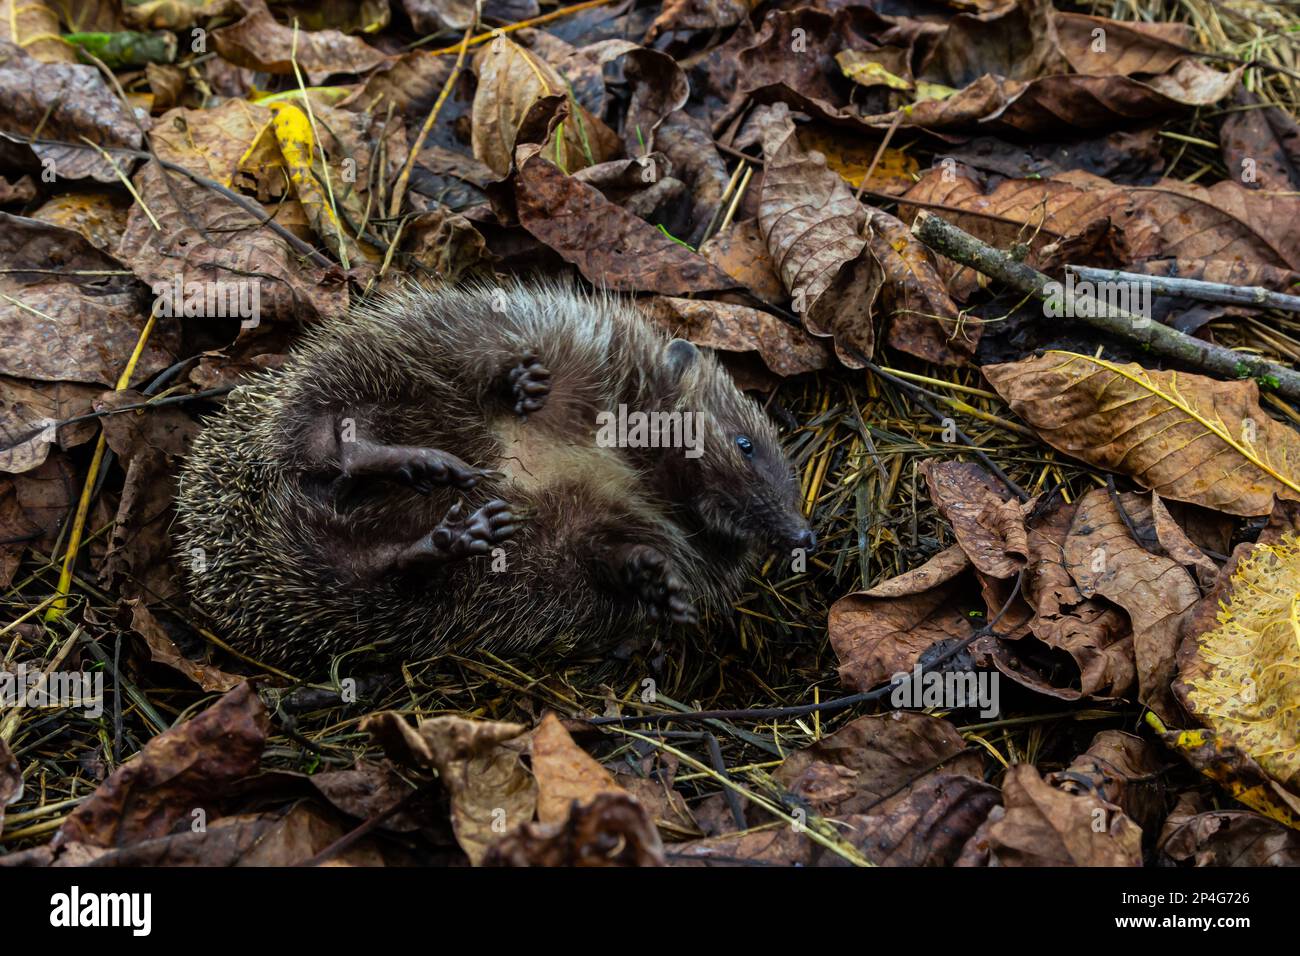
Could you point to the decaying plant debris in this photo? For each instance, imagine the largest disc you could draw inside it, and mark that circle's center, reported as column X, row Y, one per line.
column 1103, row 531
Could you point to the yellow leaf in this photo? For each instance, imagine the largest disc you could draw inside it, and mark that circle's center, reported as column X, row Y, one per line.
column 297, row 145
column 932, row 91
column 851, row 157
column 865, row 70
column 1243, row 680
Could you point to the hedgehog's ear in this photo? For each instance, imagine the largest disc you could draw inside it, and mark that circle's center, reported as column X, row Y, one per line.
column 681, row 356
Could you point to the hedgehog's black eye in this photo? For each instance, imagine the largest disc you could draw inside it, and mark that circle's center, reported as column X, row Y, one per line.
column 745, row 445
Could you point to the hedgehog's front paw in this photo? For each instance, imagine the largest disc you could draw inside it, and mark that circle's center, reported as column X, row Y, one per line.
column 648, row 572
column 529, row 383
column 457, row 536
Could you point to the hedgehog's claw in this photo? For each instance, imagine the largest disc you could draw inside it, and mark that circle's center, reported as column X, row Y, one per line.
column 529, row 384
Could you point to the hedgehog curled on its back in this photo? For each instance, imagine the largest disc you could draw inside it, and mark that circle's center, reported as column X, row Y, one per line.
column 434, row 473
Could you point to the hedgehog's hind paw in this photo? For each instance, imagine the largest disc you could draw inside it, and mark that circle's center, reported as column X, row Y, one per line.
column 457, row 536
column 648, row 573
column 421, row 468
column 528, row 383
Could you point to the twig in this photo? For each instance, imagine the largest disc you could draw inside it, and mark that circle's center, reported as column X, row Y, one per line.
column 880, row 151
column 947, row 240
column 1196, row 289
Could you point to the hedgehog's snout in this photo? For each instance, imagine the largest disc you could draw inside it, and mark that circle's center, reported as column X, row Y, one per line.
column 794, row 533
column 805, row 539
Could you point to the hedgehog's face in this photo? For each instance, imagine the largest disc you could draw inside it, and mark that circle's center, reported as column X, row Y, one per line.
column 740, row 484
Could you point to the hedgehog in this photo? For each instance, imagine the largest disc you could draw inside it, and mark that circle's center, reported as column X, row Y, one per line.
column 532, row 470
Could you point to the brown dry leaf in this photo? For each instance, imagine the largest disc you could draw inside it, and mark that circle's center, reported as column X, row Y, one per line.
column 33, row 506
column 34, row 27
column 66, row 101
column 873, row 758
column 1261, row 145
column 176, row 14
column 666, row 806
column 1093, row 631
column 925, row 320
column 444, row 247
column 11, row 781
column 479, row 764
column 1187, row 437
column 656, row 87
column 784, row 349
column 1240, row 676
column 883, row 631
column 513, row 84
column 1169, row 219
column 1065, row 102
column 286, row 837
column 565, row 773
column 1225, row 221
column 1041, row 825
column 371, row 790
column 164, row 650
column 212, row 240
column 1122, row 769
column 182, row 770
column 609, row 245
column 986, row 519
column 141, row 561
column 612, row 829
column 1229, row 838
column 28, row 413
column 410, row 84
column 21, row 190
column 1123, row 47
column 792, row 60
column 814, row 231
column 167, row 84
column 1033, row 211
column 692, row 15
column 63, row 327
column 741, row 253
column 929, row 824
column 687, row 142
column 1156, row 591
column 779, row 846
column 260, row 42
column 1175, row 542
